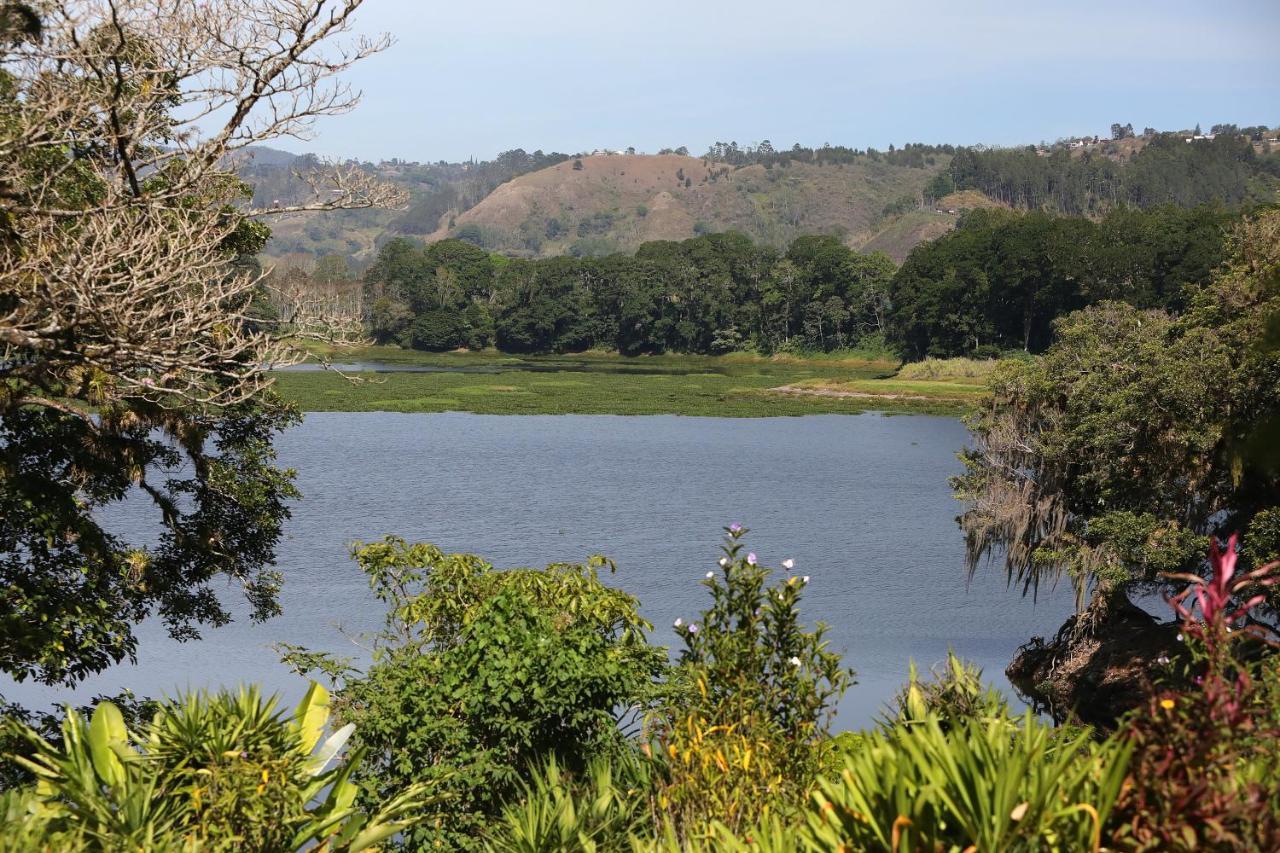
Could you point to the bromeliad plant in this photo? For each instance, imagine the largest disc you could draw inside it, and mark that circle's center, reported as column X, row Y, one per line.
column 995, row 783
column 953, row 693
column 209, row 772
column 746, row 723
column 600, row 809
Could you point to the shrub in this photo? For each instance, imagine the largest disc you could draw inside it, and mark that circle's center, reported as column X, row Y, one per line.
column 222, row 771
column 744, row 726
column 1206, row 759
column 478, row 673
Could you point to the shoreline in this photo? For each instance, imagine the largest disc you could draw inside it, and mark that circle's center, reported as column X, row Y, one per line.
column 735, row 385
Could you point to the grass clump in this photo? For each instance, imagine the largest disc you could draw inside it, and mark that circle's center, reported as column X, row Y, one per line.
column 942, row 369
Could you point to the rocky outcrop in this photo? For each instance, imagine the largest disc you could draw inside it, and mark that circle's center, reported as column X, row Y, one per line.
column 1103, row 662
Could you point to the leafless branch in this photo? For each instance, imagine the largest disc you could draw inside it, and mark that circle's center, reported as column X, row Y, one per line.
column 120, row 215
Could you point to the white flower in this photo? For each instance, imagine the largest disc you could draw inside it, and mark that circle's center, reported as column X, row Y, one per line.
column 788, row 563
column 724, row 561
column 677, row 623
column 794, row 661
column 711, row 574
column 693, row 629
column 805, row 579
column 1179, row 638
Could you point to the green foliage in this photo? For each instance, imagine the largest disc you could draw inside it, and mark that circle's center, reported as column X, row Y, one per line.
column 941, row 185
column 389, row 319
column 73, row 587
column 744, row 727
column 999, row 280
column 991, row 784
column 1111, row 455
column 208, row 772
column 954, row 693
column 1168, row 170
column 437, row 330
column 480, row 672
column 716, row 293
column 948, row 368
column 598, row 810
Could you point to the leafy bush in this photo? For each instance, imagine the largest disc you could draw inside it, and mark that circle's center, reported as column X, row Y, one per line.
column 1206, row 759
column 222, row 771
column 438, row 330
column 744, row 726
column 479, row 673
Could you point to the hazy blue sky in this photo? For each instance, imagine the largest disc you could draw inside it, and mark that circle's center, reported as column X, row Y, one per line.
column 475, row 77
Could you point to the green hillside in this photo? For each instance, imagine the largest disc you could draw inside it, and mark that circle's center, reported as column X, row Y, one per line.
column 543, row 205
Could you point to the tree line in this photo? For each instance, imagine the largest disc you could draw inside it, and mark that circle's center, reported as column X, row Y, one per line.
column 1167, row 170
column 913, row 154
column 711, row 294
column 995, row 283
column 999, row 280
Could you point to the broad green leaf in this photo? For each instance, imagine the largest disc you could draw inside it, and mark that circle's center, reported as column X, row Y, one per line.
column 107, row 730
column 311, row 716
column 374, row 834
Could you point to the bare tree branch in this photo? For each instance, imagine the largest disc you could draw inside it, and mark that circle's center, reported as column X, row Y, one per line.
column 120, row 213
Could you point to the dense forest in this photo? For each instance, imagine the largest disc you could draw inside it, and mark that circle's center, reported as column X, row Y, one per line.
column 1168, row 169
column 995, row 283
column 998, row 281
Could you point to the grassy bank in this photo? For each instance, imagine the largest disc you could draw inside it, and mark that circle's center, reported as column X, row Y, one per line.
column 598, row 383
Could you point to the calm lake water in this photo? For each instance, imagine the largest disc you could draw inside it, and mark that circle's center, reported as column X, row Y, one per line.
column 860, row 502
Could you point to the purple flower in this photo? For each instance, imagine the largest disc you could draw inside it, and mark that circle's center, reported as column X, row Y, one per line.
column 735, row 528
column 693, row 629
column 751, row 558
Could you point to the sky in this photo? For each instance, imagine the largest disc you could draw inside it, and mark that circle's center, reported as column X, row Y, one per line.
column 478, row 77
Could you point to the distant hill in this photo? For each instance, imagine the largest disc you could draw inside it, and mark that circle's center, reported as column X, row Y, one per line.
column 538, row 205
column 605, row 203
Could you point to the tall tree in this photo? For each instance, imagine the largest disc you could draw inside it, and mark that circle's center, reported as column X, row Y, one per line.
column 131, row 361
column 1112, row 458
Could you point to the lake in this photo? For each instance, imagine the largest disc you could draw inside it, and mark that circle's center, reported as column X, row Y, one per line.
column 860, row 502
